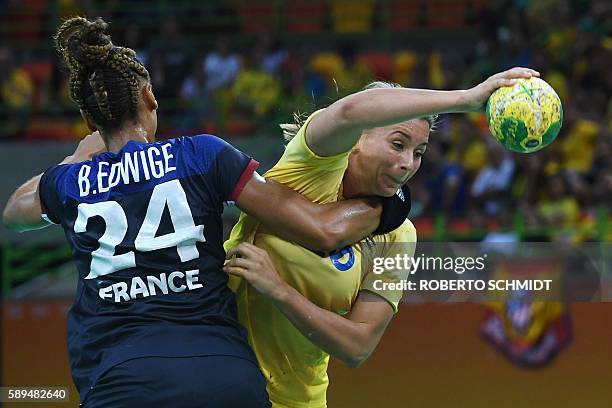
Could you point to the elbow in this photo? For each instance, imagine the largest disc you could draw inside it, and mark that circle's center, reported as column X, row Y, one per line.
column 7, row 219
column 326, row 235
column 346, row 115
column 355, row 356
column 325, row 244
column 10, row 221
column 332, row 238
column 353, row 109
column 355, row 361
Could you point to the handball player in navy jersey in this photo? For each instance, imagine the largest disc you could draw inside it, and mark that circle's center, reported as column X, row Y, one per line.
column 153, row 321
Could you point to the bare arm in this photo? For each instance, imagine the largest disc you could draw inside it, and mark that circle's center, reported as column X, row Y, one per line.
column 23, row 209
column 291, row 216
column 338, row 127
column 350, row 339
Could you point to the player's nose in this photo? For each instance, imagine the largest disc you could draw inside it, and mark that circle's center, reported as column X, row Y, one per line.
column 406, row 162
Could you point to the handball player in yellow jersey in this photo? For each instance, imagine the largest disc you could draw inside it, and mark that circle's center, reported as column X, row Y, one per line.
column 300, row 307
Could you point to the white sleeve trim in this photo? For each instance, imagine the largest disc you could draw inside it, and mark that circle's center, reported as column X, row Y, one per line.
column 45, row 217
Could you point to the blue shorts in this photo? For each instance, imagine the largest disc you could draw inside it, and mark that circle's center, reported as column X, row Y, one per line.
column 210, row 381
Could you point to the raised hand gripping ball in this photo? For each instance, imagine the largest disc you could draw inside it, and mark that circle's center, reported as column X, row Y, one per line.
column 525, row 117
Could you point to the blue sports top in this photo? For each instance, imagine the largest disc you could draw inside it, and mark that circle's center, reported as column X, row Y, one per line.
column 145, row 229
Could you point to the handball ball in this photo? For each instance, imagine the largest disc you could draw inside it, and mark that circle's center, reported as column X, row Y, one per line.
column 525, row 117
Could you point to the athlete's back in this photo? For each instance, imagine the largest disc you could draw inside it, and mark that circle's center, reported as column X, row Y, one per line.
column 145, row 229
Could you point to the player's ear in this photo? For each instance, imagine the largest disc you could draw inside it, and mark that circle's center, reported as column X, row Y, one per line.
column 148, row 97
column 88, row 121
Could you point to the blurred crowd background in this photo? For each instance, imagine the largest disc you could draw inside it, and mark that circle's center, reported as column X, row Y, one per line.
column 239, row 68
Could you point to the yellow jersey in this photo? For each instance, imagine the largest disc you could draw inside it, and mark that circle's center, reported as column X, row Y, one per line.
column 294, row 367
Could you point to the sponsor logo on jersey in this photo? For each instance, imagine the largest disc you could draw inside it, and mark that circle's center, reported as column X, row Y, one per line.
column 343, row 259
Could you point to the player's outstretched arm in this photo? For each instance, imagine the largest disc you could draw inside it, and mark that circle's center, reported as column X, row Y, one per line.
column 337, row 128
column 293, row 217
column 23, row 209
column 350, row 339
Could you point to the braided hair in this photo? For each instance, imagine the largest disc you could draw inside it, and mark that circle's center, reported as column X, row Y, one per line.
column 104, row 78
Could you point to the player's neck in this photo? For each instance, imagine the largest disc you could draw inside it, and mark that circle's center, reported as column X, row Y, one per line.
column 351, row 182
column 117, row 139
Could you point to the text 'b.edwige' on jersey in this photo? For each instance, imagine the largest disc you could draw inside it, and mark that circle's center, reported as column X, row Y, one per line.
column 145, row 229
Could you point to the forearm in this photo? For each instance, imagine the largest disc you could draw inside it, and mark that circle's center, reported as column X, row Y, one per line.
column 340, row 224
column 351, row 220
column 382, row 107
column 23, row 211
column 326, row 227
column 337, row 128
column 342, row 338
column 319, row 227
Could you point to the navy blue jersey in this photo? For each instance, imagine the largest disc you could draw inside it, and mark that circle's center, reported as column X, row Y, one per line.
column 145, row 229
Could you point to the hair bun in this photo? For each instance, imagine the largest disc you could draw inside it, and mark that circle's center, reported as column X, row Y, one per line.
column 84, row 41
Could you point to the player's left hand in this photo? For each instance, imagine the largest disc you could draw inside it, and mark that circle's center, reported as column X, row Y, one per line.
column 478, row 95
column 89, row 146
column 254, row 265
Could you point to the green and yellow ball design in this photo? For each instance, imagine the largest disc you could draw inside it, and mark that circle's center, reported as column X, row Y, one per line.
column 525, row 117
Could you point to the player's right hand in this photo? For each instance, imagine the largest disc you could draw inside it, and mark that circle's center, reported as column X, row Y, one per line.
column 253, row 264
column 478, row 95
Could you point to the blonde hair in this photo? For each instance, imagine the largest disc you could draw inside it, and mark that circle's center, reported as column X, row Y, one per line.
column 290, row 130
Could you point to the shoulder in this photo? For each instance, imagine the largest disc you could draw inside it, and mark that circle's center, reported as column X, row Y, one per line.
column 298, row 150
column 204, row 145
column 298, row 142
column 53, row 180
column 56, row 172
column 406, row 229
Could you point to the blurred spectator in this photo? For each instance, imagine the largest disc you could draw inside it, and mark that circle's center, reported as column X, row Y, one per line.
column 172, row 59
column 445, row 183
column 342, row 71
column 558, row 208
column 467, row 147
column 403, row 67
column 492, row 183
column 134, row 40
column 603, row 189
column 274, row 54
column 353, row 74
column 435, row 71
column 195, row 100
column 16, row 90
column 327, row 65
column 578, row 146
column 58, row 84
column 221, row 66
column 255, row 92
column 600, row 175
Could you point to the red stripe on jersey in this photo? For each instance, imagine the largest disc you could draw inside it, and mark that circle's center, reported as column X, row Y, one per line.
column 244, row 178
